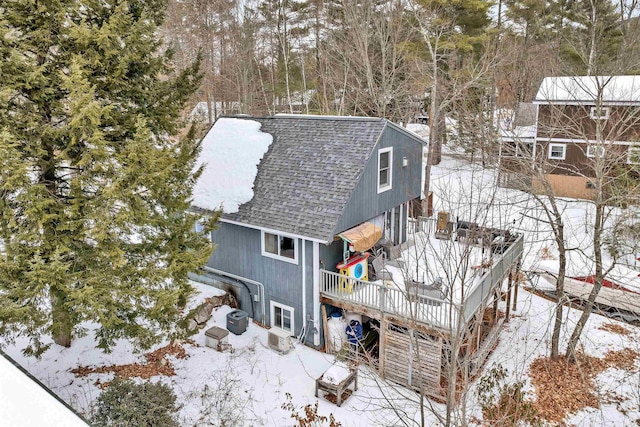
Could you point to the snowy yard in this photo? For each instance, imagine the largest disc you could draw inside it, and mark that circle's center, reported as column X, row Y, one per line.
column 249, row 385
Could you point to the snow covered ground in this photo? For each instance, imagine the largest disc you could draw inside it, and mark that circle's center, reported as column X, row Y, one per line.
column 249, row 385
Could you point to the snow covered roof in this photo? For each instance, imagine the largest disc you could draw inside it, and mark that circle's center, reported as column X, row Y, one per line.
column 304, row 179
column 231, row 152
column 419, row 129
column 585, row 89
column 25, row 402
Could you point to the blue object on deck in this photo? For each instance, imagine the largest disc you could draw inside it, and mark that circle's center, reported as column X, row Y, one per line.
column 354, row 332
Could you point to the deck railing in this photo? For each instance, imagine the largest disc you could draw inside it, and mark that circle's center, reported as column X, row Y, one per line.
column 390, row 299
column 422, row 224
column 492, row 278
column 414, row 307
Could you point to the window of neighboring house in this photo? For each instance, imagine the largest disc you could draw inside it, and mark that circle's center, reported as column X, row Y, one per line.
column 282, row 316
column 280, row 247
column 595, row 151
column 509, row 149
column 524, row 149
column 517, row 149
column 385, row 169
column 557, row 151
column 633, row 155
column 599, row 113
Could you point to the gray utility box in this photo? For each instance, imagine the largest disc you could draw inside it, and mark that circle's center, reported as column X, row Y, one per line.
column 237, row 322
column 215, row 337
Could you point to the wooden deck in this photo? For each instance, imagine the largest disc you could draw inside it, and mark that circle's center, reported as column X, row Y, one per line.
column 377, row 298
column 415, row 330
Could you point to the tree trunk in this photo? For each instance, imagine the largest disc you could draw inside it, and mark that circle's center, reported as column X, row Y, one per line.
column 557, row 326
column 588, row 307
column 61, row 330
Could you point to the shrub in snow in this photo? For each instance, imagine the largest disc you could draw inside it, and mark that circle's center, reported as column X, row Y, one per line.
column 504, row 404
column 126, row 403
column 308, row 416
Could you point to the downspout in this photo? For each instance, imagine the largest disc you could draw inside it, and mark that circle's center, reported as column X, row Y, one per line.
column 316, row 294
column 244, row 279
column 304, row 288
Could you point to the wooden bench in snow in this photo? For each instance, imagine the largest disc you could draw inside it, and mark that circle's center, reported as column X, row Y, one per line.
column 615, row 298
column 337, row 379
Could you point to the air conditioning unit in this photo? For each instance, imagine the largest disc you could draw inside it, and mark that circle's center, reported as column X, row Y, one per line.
column 279, row 340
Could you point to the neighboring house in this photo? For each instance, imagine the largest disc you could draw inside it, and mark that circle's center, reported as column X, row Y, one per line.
column 208, row 112
column 517, row 138
column 288, row 186
column 570, row 113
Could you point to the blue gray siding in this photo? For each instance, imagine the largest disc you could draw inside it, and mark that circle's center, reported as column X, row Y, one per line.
column 238, row 252
column 365, row 202
column 331, row 255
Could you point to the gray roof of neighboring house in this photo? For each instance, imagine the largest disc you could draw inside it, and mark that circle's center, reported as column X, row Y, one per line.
column 306, row 177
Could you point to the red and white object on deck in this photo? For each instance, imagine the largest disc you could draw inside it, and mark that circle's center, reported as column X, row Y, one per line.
column 355, row 267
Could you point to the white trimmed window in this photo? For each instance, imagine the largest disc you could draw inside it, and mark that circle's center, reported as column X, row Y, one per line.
column 595, row 151
column 280, row 247
column 633, row 155
column 599, row 113
column 282, row 316
column 385, row 169
column 557, row 151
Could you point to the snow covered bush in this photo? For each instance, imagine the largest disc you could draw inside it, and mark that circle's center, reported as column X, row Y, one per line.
column 127, row 404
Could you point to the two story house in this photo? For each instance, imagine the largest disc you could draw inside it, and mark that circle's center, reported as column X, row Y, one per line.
column 580, row 119
column 292, row 188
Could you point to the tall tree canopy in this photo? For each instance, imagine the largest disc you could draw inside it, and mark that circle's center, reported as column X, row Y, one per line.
column 94, row 179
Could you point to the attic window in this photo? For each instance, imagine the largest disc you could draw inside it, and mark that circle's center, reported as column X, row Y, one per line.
column 599, row 113
column 385, row 169
column 280, row 247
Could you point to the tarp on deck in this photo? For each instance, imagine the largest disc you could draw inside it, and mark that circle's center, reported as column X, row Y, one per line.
column 362, row 237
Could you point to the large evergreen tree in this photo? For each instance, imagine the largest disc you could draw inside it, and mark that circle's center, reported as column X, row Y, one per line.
column 94, row 179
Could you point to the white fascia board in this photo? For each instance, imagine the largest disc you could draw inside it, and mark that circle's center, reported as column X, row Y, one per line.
column 584, row 141
column 273, row 231
column 585, row 102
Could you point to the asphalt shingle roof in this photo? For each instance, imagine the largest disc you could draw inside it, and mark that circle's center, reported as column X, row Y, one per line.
column 306, row 178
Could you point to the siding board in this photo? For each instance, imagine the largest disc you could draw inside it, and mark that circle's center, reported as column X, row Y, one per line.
column 238, row 252
column 365, row 202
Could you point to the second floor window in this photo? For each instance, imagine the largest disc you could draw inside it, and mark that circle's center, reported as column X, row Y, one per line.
column 279, row 247
column 599, row 113
column 385, row 169
column 633, row 155
column 595, row 151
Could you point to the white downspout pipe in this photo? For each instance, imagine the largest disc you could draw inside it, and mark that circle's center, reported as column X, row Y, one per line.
column 304, row 285
column 244, row 279
column 316, row 294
